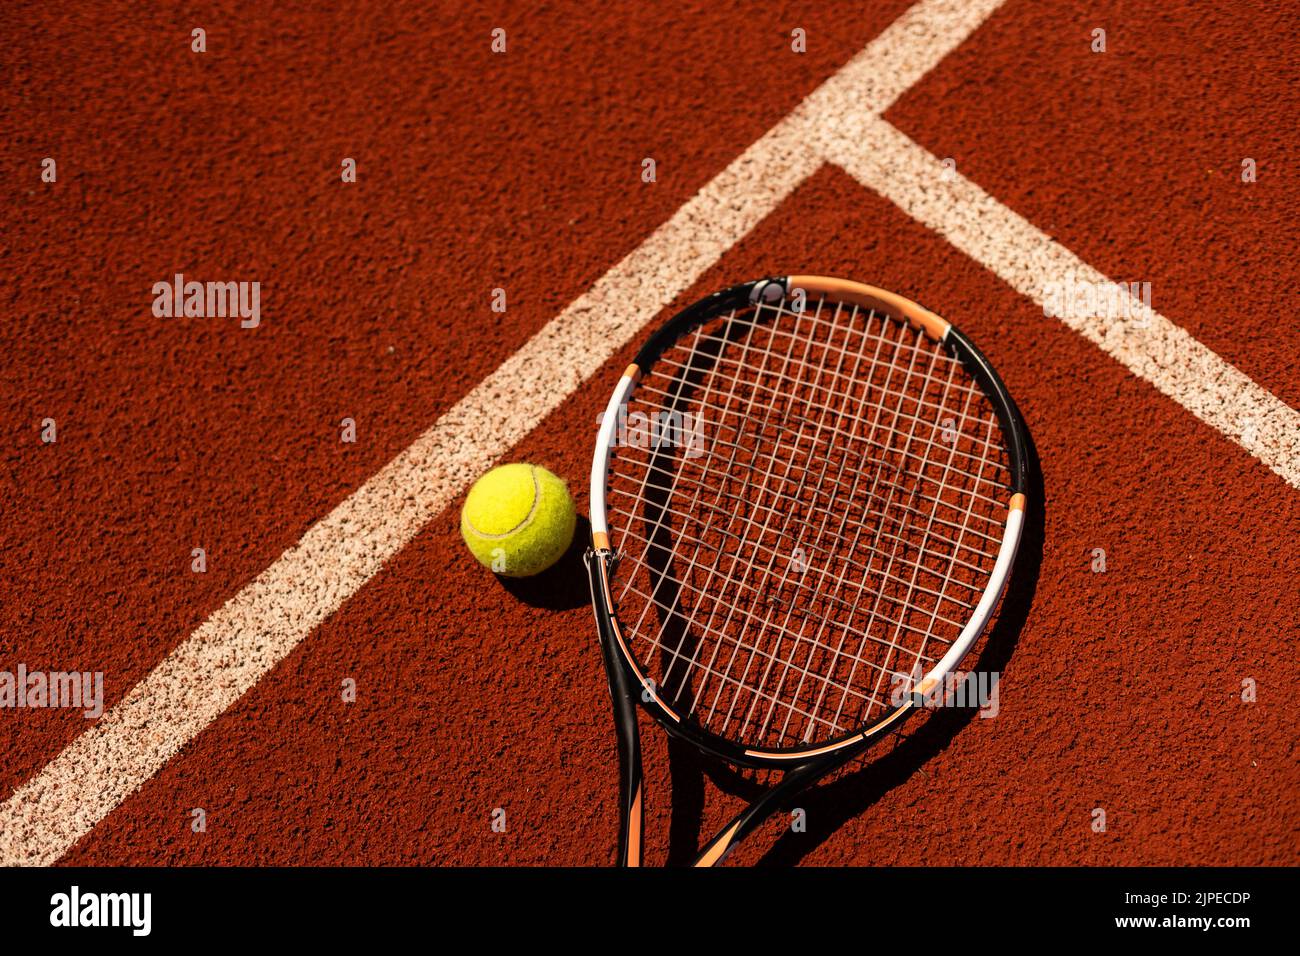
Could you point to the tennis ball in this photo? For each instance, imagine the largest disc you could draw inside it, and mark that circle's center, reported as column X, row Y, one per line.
column 518, row 520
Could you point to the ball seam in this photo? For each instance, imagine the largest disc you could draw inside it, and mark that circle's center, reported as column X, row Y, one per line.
column 532, row 512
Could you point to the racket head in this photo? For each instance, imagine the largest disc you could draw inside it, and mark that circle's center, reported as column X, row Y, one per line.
column 806, row 498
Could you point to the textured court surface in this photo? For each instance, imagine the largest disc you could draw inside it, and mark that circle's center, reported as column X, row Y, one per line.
column 1170, row 442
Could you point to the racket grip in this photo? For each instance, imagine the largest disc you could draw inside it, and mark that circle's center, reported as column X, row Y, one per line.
column 630, row 803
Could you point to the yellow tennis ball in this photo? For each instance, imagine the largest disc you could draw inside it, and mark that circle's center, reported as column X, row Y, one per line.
column 518, row 520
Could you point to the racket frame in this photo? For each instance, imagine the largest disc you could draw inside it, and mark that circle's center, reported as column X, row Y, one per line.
column 803, row 764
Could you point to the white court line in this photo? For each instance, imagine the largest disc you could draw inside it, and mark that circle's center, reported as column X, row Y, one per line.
column 236, row 647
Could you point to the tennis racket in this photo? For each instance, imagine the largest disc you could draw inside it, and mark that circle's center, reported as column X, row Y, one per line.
column 806, row 498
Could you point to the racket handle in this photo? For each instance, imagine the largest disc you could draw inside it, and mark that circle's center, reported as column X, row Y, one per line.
column 630, row 802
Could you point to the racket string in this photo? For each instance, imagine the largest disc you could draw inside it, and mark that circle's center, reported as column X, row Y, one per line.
column 978, row 460
column 668, row 362
column 766, row 472
column 919, row 656
column 864, row 507
column 820, row 448
column 807, row 546
column 861, row 591
column 733, row 658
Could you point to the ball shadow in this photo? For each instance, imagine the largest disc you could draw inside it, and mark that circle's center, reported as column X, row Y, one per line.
column 562, row 586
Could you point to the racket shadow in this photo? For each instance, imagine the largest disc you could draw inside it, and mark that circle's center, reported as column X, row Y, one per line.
column 855, row 791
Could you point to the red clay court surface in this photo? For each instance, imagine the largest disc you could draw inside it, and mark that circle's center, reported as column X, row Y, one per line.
column 1121, row 691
